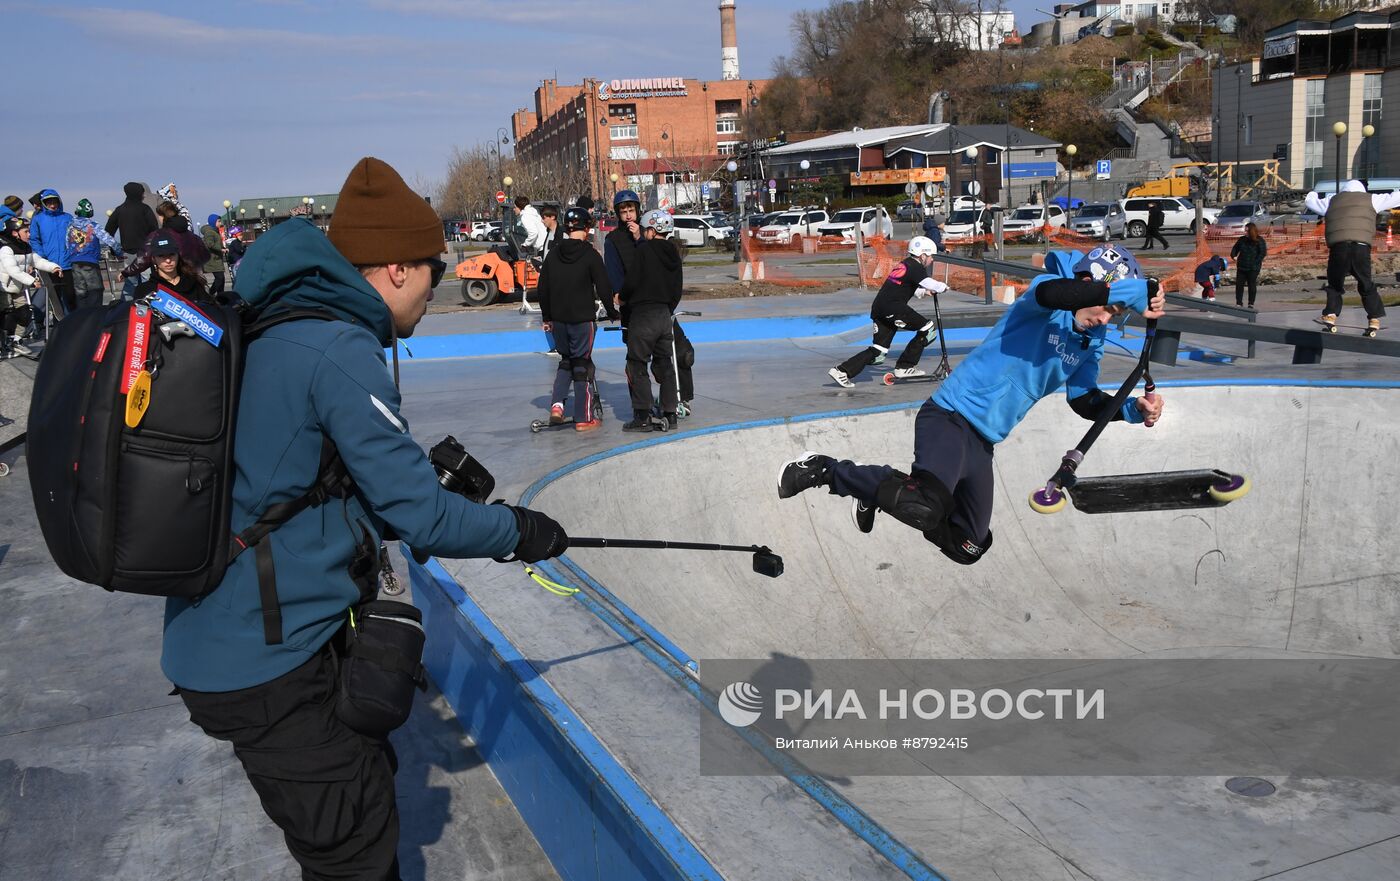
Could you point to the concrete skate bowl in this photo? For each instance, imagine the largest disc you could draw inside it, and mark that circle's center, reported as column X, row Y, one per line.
column 1302, row 566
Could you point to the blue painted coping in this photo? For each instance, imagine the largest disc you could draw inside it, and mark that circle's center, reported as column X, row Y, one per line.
column 466, row 345
column 592, row 819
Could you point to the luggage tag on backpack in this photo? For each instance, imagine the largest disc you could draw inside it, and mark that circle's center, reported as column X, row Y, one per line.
column 136, row 379
column 177, row 308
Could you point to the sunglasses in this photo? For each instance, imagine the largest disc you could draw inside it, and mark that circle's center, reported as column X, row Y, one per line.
column 438, row 269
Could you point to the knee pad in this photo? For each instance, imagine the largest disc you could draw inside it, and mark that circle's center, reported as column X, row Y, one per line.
column 565, row 365
column 957, row 546
column 581, row 368
column 919, row 499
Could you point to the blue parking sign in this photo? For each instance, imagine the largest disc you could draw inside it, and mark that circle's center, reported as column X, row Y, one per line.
column 705, row 190
column 1103, row 169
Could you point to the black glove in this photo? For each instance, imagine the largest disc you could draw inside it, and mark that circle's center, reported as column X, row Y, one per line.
column 540, row 537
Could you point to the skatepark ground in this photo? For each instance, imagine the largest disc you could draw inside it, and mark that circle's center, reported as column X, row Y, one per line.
column 103, row 776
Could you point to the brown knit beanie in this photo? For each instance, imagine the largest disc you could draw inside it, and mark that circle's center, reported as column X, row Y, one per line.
column 379, row 220
column 14, row 203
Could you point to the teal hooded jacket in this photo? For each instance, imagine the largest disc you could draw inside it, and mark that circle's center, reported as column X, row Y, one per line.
column 305, row 380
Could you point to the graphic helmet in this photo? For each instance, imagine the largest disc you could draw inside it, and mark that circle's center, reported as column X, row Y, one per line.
column 84, row 208
column 576, row 219
column 660, row 221
column 1108, row 265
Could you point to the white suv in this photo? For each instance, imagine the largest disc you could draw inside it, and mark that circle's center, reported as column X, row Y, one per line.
column 698, row 231
column 1179, row 214
column 1029, row 219
column 872, row 222
column 790, row 227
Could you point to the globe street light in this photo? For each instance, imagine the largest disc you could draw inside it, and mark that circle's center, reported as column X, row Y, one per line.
column 1070, row 150
column 1366, row 132
column 228, row 214
column 1339, row 129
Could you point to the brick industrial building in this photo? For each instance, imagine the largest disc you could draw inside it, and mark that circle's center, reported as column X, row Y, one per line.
column 671, row 133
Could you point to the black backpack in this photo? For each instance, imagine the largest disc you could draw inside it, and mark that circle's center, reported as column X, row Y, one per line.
column 145, row 508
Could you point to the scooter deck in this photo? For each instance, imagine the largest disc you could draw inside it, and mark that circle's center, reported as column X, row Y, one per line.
column 1158, row 491
column 1340, row 326
column 935, row 376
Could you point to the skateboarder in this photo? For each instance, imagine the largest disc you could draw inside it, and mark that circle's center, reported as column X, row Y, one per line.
column 892, row 313
column 1052, row 337
column 572, row 281
column 1351, row 224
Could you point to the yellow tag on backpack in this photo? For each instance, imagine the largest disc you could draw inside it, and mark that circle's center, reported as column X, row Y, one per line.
column 138, row 399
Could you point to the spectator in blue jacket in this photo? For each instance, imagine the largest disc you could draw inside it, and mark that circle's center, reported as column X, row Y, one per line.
column 48, row 236
column 1052, row 338
column 268, row 687
column 85, row 243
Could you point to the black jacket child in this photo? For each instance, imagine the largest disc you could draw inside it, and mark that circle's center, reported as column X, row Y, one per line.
column 573, row 277
column 659, row 276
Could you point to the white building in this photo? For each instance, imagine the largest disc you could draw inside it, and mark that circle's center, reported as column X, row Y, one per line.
column 973, row 29
column 1134, row 11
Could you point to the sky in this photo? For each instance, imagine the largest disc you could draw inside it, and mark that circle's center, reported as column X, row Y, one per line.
column 261, row 98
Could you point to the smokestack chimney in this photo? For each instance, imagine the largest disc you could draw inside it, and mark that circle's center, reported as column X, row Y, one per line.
column 729, row 41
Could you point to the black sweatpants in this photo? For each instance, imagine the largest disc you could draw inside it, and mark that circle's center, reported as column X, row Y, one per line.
column 886, row 326
column 1154, row 233
column 216, row 282
column 649, row 344
column 951, row 450
column 1354, row 259
column 329, row 789
column 1246, row 278
column 685, row 360
column 574, row 343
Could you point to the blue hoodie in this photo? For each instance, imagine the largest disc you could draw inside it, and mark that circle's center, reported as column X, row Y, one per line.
column 85, row 241
column 48, row 231
column 304, row 380
column 1031, row 353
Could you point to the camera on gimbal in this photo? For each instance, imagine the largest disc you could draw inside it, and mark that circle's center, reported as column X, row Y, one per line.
column 459, row 472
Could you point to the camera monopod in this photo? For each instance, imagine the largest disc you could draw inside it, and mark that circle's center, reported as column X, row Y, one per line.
column 765, row 562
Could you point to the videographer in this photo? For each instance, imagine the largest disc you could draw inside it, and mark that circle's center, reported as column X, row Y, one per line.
column 263, row 675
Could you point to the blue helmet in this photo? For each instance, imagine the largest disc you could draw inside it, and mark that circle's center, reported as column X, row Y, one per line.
column 1109, row 264
column 624, row 196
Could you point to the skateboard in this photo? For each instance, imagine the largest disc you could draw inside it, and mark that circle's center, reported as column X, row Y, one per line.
column 1367, row 331
column 1158, row 491
column 938, row 375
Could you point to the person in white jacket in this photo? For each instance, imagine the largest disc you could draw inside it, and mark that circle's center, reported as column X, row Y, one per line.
column 18, row 263
column 535, row 230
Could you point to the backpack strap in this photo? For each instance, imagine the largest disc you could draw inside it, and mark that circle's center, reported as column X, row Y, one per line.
column 332, row 481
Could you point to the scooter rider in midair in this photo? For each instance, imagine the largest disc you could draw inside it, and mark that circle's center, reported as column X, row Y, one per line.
column 892, row 313
column 1052, row 338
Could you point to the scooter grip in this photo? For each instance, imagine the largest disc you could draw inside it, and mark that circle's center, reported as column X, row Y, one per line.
column 1150, row 394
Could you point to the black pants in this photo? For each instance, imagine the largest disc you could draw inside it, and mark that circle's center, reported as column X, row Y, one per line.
column 574, row 343
column 329, row 789
column 886, row 326
column 1243, row 278
column 951, row 450
column 216, row 283
column 649, row 339
column 685, row 359
column 1154, row 233
column 1354, row 259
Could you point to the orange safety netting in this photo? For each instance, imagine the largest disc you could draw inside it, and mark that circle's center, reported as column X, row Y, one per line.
column 1290, row 247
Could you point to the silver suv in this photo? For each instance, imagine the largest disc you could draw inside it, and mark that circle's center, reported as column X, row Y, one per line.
column 1101, row 220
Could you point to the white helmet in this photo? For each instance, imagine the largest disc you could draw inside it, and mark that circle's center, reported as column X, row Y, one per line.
column 922, row 246
column 660, row 221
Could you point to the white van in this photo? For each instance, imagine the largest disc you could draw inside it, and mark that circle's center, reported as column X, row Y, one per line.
column 697, row 231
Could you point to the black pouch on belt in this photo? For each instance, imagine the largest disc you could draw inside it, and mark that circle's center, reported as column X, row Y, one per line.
column 380, row 667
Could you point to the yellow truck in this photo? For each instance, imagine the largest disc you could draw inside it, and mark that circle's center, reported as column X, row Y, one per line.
column 1162, row 186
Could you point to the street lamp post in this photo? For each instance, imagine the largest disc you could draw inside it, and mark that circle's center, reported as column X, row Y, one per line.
column 507, row 211
column 1239, row 133
column 1366, row 132
column 612, row 178
column 1070, row 150
column 733, row 167
column 1339, row 129
column 262, row 218
column 228, row 215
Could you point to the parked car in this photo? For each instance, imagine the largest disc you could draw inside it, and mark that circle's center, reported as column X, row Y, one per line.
column 1179, row 214
column 1029, row 219
column 966, row 224
column 1102, row 220
column 697, row 231
column 480, row 228
column 873, row 221
column 1233, row 217
column 789, row 227
column 908, row 210
column 967, row 202
column 757, row 220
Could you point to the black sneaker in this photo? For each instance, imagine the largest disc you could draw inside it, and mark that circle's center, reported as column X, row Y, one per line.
column 641, row 421
column 863, row 515
column 806, row 471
